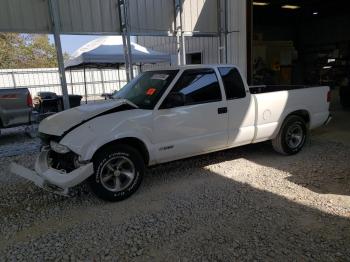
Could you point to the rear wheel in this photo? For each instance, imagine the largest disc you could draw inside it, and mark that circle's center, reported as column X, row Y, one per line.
column 291, row 137
column 118, row 172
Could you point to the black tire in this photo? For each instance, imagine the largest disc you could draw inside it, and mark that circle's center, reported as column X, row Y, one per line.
column 285, row 143
column 105, row 161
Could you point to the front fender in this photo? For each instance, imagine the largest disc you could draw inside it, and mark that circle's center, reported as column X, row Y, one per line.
column 88, row 152
column 86, row 139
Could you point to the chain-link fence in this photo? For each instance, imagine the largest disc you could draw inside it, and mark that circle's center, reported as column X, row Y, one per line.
column 89, row 84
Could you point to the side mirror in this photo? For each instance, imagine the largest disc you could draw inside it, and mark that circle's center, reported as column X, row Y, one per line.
column 174, row 100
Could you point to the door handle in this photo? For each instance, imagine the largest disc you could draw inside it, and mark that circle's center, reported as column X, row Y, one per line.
column 222, row 110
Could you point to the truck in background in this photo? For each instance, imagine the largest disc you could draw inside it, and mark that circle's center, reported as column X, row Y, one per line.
column 16, row 107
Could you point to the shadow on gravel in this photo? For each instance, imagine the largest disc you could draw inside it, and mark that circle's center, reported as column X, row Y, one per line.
column 182, row 210
column 15, row 141
column 226, row 219
column 13, row 135
column 323, row 166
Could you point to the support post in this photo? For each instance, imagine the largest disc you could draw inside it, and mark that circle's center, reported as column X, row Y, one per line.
column 119, row 81
column 71, row 81
column 178, row 25
column 183, row 45
column 124, row 23
column 128, row 40
column 85, row 85
column 126, row 58
column 92, row 77
column 178, row 49
column 13, row 80
column 102, row 81
column 183, row 49
column 250, row 29
column 140, row 68
column 222, row 22
column 55, row 19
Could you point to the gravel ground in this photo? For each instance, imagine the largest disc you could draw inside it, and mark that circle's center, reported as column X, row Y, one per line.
column 246, row 203
column 14, row 141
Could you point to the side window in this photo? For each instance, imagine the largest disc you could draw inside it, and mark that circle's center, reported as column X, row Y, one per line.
column 233, row 83
column 199, row 86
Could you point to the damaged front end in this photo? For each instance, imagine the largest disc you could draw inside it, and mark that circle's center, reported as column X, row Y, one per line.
column 57, row 168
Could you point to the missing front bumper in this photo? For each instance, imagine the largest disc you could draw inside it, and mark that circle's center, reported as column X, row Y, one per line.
column 51, row 179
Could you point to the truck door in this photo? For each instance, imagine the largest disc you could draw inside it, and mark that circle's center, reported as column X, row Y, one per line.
column 240, row 105
column 197, row 126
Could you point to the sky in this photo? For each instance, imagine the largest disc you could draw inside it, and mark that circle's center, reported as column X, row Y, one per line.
column 70, row 43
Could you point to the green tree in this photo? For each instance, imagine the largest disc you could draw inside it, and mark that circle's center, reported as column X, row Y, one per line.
column 26, row 51
column 10, row 48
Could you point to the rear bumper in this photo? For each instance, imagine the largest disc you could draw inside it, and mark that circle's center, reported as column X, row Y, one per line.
column 50, row 179
column 329, row 118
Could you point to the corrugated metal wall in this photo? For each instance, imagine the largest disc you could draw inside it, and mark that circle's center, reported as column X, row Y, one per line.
column 200, row 16
column 146, row 16
column 151, row 17
column 77, row 16
column 209, row 46
column 206, row 45
column 24, row 16
column 87, row 16
column 237, row 34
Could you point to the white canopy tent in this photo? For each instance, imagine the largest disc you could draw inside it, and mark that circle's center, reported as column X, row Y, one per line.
column 108, row 51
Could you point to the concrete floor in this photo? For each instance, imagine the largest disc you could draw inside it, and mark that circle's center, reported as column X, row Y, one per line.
column 338, row 130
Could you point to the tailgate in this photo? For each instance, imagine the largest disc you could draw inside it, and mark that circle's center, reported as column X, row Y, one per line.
column 14, row 108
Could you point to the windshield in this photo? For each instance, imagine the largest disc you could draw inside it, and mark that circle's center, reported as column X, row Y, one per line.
column 147, row 88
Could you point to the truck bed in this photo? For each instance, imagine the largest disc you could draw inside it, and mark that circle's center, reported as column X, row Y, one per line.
column 275, row 103
column 274, row 88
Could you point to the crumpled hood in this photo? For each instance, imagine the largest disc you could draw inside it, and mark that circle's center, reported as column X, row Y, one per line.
column 59, row 123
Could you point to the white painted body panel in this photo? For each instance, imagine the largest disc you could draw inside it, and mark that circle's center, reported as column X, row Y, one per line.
column 87, row 138
column 241, row 126
column 273, row 107
column 189, row 130
column 58, row 123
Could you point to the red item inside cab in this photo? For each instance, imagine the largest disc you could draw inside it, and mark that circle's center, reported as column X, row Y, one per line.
column 150, row 91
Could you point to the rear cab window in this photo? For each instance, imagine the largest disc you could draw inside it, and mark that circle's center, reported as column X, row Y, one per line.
column 233, row 83
column 199, row 86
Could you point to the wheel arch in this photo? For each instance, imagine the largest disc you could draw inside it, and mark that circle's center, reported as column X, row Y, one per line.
column 278, row 142
column 303, row 113
column 136, row 143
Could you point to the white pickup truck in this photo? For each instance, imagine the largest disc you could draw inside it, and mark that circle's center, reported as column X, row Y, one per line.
column 165, row 115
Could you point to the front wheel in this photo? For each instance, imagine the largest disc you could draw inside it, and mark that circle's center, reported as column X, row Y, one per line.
column 291, row 137
column 118, row 172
